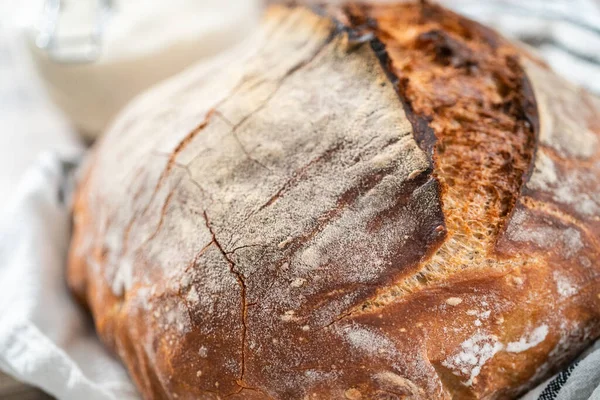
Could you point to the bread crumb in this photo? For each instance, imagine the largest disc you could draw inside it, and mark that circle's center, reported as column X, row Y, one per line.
column 199, row 373
column 216, row 384
column 419, row 324
column 454, row 301
column 402, row 329
column 305, row 328
column 477, row 322
column 352, row 394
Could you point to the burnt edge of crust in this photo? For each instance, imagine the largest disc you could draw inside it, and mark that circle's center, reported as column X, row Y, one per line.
column 360, row 32
column 530, row 110
column 531, row 114
column 362, row 26
column 422, row 131
column 529, row 106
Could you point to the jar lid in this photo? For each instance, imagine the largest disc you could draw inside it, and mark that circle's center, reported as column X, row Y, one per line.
column 72, row 31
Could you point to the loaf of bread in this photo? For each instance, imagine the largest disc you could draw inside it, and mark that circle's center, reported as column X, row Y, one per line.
column 368, row 202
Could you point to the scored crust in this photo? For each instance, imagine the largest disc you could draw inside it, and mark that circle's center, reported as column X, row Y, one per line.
column 382, row 201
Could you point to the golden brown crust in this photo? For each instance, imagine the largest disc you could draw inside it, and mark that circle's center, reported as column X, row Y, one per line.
column 371, row 206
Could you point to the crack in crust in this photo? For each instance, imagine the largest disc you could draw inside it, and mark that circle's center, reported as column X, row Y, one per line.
column 297, row 176
column 289, row 73
column 168, row 167
column 243, row 289
column 240, row 279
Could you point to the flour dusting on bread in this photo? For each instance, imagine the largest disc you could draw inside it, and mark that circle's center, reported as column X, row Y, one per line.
column 390, row 201
column 475, row 352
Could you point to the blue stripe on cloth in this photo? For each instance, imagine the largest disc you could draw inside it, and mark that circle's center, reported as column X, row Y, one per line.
column 554, row 386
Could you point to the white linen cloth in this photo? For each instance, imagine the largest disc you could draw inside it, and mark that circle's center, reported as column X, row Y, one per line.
column 48, row 341
column 579, row 381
